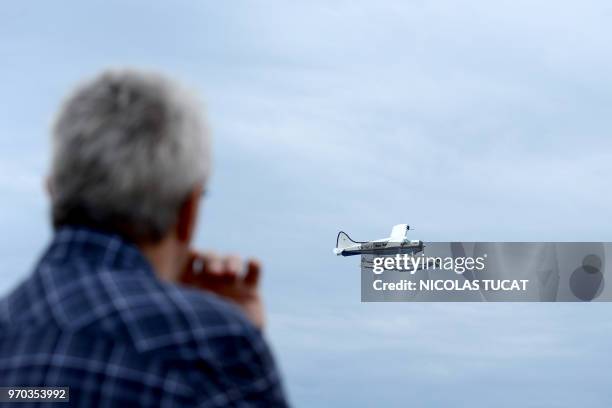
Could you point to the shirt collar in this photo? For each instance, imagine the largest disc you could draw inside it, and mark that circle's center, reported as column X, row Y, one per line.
column 104, row 249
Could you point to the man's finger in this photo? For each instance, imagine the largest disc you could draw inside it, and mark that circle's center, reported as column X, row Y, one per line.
column 232, row 264
column 200, row 261
column 213, row 264
column 253, row 272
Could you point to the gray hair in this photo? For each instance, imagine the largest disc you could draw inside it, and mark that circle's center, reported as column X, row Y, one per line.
column 128, row 148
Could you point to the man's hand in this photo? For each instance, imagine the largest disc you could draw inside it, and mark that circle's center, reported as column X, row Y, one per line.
column 226, row 277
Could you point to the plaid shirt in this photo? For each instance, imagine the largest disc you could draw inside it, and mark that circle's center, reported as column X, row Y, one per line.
column 93, row 317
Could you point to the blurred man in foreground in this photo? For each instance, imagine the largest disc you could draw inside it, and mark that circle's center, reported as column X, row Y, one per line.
column 103, row 312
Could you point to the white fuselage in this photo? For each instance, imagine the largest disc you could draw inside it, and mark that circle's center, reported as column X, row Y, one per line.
column 382, row 247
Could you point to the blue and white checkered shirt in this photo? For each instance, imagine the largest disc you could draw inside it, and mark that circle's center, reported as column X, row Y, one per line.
column 94, row 317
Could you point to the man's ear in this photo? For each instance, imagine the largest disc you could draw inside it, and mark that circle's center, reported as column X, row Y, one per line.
column 188, row 216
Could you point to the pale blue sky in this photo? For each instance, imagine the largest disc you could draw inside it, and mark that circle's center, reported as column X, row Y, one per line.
column 471, row 120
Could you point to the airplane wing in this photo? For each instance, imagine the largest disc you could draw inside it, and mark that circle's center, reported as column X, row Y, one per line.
column 398, row 233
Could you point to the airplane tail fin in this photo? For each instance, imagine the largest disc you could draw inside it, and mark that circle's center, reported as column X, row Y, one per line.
column 343, row 241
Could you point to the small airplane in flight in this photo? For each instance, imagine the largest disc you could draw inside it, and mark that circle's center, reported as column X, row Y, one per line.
column 397, row 243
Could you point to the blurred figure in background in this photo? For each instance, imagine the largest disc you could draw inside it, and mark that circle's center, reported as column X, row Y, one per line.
column 120, row 308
